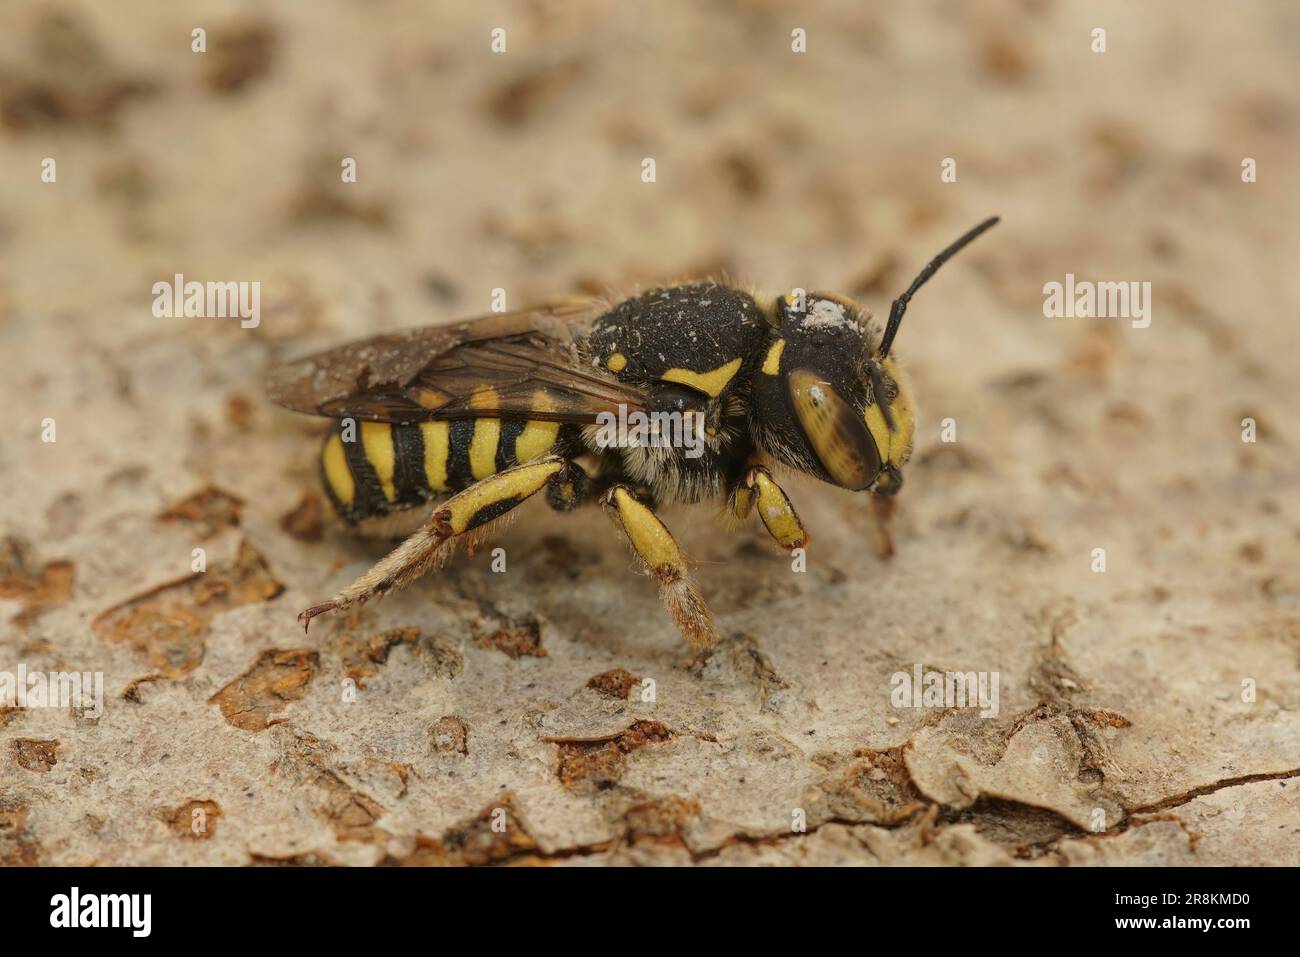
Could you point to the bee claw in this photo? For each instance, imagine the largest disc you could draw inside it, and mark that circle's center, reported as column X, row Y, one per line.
column 306, row 616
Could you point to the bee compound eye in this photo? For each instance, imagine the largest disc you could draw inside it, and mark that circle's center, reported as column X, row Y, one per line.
column 837, row 435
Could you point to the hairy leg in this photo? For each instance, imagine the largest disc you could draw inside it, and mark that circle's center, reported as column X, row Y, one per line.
column 476, row 506
column 658, row 552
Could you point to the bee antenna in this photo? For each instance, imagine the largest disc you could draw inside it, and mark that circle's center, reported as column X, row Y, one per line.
column 900, row 304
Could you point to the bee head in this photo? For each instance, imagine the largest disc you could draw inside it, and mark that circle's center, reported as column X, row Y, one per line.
column 829, row 399
column 824, row 404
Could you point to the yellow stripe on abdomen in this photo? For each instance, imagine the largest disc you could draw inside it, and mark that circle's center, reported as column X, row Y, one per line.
column 487, row 434
column 536, row 440
column 483, row 448
column 335, row 463
column 437, row 447
column 377, row 443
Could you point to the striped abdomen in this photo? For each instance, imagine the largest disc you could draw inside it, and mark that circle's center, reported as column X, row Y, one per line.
column 373, row 468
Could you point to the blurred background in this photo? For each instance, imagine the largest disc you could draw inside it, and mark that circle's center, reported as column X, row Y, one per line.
column 522, row 170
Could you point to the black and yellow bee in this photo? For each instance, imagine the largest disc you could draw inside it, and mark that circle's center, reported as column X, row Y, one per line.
column 494, row 410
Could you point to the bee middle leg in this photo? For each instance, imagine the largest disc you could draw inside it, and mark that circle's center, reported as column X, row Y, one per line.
column 463, row 513
column 658, row 552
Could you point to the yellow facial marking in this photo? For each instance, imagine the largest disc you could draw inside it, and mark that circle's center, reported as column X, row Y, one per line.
column 772, row 364
column 437, row 447
column 377, row 443
column 649, row 536
column 517, row 483
column 616, row 362
column 536, row 440
column 710, row 383
column 776, row 512
column 337, row 473
column 879, row 430
column 894, row 444
column 841, row 441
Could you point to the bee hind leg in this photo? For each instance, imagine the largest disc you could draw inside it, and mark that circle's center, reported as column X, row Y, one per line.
column 463, row 513
column 657, row 550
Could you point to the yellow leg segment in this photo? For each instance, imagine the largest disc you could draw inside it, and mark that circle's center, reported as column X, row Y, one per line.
column 774, row 508
column 465, row 511
column 656, row 548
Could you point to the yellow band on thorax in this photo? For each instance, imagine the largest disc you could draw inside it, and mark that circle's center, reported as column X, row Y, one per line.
column 710, row 383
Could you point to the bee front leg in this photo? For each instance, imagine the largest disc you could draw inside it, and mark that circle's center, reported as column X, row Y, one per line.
column 883, row 505
column 759, row 490
column 658, row 552
column 476, row 506
column 882, row 509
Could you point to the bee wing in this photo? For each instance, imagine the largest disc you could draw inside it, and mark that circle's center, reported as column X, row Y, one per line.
column 524, row 364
